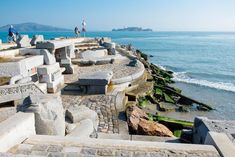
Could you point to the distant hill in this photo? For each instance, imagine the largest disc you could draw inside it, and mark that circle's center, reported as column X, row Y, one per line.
column 137, row 29
column 33, row 27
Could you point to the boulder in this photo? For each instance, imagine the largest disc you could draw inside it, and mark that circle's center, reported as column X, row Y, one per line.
column 78, row 113
column 83, row 129
column 138, row 123
column 48, row 57
column 49, row 114
column 134, row 114
column 35, row 39
column 23, row 41
column 151, row 128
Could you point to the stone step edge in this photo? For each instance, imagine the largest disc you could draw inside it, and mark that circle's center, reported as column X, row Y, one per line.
column 116, row 144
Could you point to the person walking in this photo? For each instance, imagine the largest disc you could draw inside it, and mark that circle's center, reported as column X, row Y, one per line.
column 12, row 34
column 77, row 32
column 84, row 27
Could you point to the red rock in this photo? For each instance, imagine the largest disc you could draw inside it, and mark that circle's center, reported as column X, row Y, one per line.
column 152, row 128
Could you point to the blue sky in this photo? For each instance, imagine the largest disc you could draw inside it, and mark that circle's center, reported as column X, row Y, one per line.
column 160, row 15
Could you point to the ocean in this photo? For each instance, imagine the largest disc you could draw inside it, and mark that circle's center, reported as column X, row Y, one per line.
column 203, row 63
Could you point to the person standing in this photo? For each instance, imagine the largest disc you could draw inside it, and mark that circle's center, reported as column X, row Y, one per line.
column 12, row 34
column 83, row 27
column 77, row 32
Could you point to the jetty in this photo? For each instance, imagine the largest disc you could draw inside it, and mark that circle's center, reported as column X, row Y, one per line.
column 72, row 97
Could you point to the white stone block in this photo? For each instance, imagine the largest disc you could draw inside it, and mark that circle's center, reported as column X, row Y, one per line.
column 36, row 38
column 79, row 113
column 23, row 41
column 83, row 129
column 58, row 82
column 48, row 69
column 49, row 114
column 16, row 129
column 48, row 57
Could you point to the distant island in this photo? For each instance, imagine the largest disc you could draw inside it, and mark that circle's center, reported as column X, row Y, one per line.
column 33, row 27
column 134, row 29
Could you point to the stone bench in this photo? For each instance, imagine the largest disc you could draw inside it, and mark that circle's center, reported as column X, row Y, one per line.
column 96, row 82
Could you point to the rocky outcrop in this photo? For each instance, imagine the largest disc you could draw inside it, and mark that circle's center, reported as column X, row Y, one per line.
column 139, row 124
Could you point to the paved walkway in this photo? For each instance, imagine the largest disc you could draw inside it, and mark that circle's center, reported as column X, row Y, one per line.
column 103, row 105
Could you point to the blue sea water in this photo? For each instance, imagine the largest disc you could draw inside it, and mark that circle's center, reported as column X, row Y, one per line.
column 203, row 62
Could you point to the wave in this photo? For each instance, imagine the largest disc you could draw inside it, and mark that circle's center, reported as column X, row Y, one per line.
column 183, row 77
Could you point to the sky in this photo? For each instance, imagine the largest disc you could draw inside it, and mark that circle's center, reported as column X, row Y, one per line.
column 104, row 15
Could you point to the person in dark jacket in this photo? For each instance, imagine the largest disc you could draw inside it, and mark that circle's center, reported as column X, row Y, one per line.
column 77, row 32
column 12, row 33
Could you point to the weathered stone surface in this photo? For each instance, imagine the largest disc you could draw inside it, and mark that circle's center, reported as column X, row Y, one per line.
column 23, row 41
column 48, row 57
column 93, row 54
column 35, row 39
column 203, row 125
column 134, row 114
column 96, row 89
column 49, row 114
column 24, row 80
column 69, row 127
column 15, row 130
column 95, row 78
column 83, row 129
column 152, row 128
column 79, row 113
column 48, row 69
column 138, row 122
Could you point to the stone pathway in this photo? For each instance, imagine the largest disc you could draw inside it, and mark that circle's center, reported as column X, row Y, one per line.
column 103, row 105
column 79, row 151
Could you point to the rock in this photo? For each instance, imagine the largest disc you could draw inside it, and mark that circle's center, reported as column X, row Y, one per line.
column 48, row 57
column 35, row 39
column 138, row 123
column 69, row 128
column 83, row 129
column 151, row 128
column 134, row 114
column 49, row 114
column 23, row 41
column 79, row 113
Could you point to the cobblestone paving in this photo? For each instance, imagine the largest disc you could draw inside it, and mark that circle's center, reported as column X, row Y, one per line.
column 103, row 105
column 120, row 69
column 70, row 151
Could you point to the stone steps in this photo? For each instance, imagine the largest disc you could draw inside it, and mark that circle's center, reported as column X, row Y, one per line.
column 56, row 145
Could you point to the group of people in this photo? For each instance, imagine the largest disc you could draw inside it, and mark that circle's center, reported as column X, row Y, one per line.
column 13, row 34
column 77, row 31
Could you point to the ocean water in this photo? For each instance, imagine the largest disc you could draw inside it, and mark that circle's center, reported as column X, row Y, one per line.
column 203, row 62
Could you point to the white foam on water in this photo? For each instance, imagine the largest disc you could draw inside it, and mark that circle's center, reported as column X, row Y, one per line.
column 182, row 77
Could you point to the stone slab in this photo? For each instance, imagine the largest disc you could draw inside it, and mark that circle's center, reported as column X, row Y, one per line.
column 48, row 69
column 16, row 129
column 95, row 78
column 203, row 125
column 92, row 89
column 221, row 142
column 89, row 54
column 125, row 145
column 48, row 57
